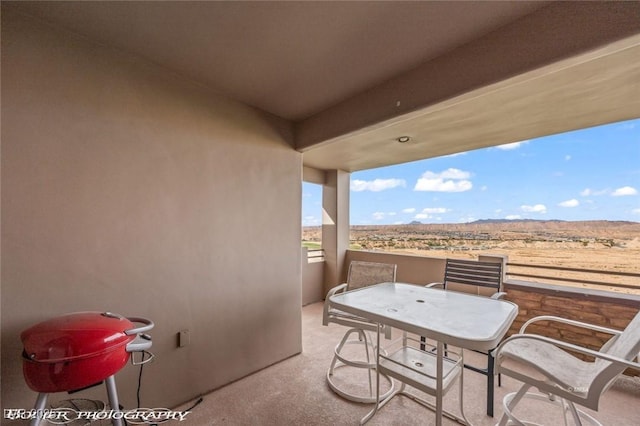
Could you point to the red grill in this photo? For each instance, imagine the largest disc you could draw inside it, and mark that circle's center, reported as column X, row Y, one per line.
column 78, row 350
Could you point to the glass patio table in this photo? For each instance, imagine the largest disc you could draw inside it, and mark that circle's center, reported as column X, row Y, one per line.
column 447, row 317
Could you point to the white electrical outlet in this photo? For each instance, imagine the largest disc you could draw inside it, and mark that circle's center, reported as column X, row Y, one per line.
column 183, row 338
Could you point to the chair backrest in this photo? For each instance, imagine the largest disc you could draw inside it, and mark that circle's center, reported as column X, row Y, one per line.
column 625, row 346
column 471, row 276
column 363, row 274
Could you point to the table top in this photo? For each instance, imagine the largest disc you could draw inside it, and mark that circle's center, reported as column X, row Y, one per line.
column 460, row 319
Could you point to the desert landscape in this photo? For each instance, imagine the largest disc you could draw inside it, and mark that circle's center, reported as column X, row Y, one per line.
column 611, row 246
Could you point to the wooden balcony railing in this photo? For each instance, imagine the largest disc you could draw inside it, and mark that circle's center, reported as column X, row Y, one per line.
column 315, row 255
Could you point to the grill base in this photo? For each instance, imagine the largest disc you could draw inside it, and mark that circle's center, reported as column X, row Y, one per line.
column 112, row 394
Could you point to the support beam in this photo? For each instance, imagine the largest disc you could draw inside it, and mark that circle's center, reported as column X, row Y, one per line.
column 335, row 225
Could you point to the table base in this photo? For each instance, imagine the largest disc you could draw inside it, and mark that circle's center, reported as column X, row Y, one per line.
column 402, row 392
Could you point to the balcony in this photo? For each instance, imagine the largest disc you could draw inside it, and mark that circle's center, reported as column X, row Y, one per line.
column 593, row 305
column 294, row 391
column 153, row 152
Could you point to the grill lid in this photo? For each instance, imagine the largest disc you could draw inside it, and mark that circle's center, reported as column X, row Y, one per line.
column 74, row 336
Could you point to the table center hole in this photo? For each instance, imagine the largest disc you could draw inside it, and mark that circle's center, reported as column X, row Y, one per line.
column 420, row 301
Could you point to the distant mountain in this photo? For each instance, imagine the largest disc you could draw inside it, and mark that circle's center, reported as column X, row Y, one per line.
column 541, row 221
column 494, row 221
column 415, row 222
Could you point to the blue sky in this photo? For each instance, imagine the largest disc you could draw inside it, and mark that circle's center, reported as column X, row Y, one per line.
column 589, row 174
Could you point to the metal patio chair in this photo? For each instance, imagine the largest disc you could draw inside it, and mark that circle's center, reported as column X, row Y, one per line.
column 564, row 379
column 483, row 279
column 360, row 274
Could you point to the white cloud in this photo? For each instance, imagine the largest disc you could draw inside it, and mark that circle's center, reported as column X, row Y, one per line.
column 450, row 180
column 538, row 208
column 409, row 210
column 625, row 190
column 570, row 203
column 443, row 186
column 511, row 146
column 429, row 213
column 567, row 157
column 513, row 217
column 588, row 192
column 310, row 221
column 635, row 211
column 376, row 185
column 382, row 215
column 484, row 188
column 435, row 210
column 451, row 174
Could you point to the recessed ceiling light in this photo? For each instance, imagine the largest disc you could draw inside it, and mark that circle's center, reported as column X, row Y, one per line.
column 403, row 139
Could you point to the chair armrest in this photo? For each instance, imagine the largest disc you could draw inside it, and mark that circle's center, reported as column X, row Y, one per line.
column 565, row 345
column 570, row 322
column 337, row 289
column 499, row 295
column 434, row 285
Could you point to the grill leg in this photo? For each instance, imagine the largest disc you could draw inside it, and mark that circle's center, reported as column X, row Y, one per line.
column 41, row 403
column 112, row 393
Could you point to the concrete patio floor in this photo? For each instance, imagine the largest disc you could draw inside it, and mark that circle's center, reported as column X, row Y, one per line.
column 295, row 392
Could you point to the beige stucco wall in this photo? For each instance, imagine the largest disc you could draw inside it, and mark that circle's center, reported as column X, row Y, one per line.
column 411, row 269
column 125, row 188
column 312, row 280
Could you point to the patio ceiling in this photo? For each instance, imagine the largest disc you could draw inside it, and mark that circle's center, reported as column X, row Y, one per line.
column 354, row 76
column 592, row 89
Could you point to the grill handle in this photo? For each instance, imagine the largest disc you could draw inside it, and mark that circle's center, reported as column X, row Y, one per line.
column 148, row 325
column 143, row 359
column 140, row 343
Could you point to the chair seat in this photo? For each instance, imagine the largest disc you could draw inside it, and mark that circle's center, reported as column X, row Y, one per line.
column 566, row 370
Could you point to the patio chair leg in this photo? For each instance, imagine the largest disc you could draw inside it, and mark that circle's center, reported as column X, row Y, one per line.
column 363, row 337
column 509, row 402
column 574, row 413
column 339, row 348
column 579, row 415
